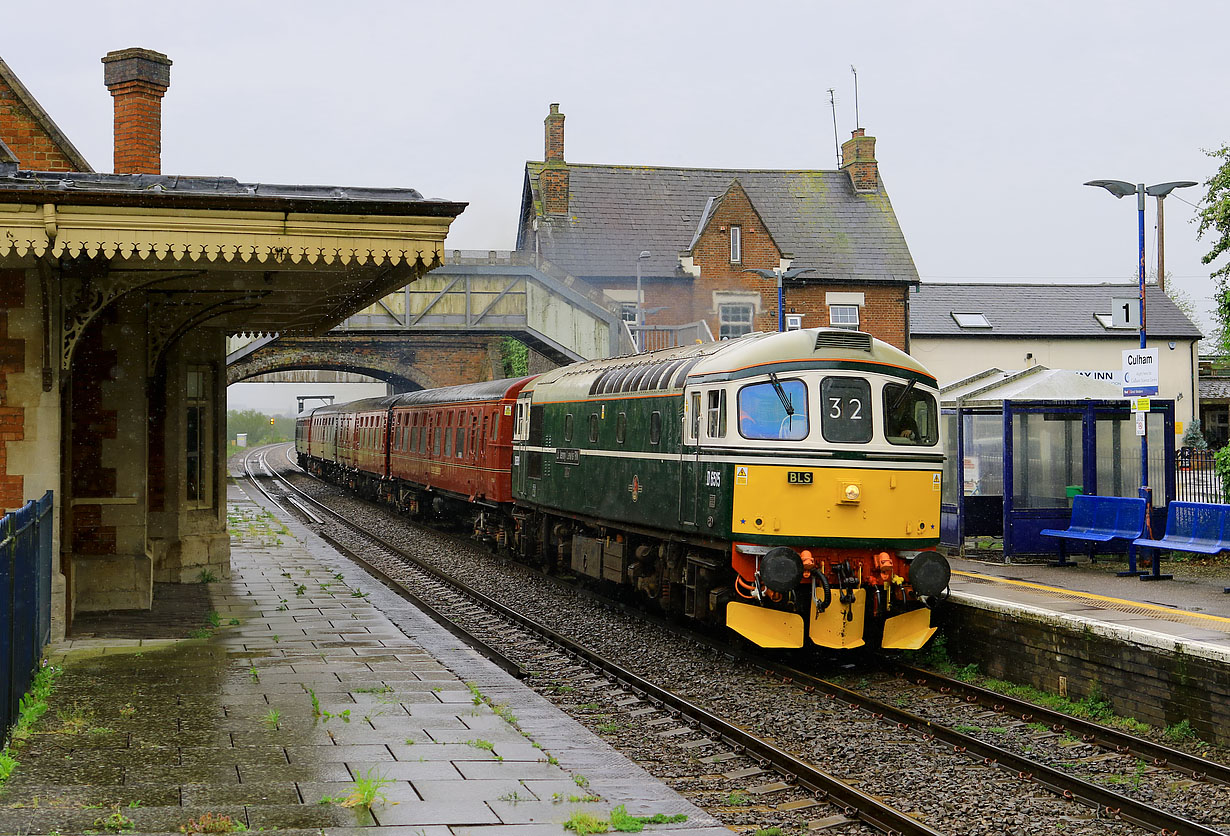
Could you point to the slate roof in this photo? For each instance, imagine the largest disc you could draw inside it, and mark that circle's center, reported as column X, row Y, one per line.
column 48, row 124
column 1039, row 310
column 616, row 212
column 160, row 190
column 1214, row 388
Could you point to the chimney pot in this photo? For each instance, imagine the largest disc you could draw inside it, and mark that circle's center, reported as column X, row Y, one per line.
column 138, row 79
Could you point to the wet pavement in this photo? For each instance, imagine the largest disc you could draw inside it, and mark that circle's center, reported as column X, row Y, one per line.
column 277, row 697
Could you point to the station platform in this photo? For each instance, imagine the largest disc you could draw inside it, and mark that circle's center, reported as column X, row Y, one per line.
column 273, row 696
column 1189, row 612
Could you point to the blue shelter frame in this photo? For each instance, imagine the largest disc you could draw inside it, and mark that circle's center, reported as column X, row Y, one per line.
column 1049, row 451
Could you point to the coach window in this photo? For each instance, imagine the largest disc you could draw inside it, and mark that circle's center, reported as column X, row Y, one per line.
column 716, row 414
column 436, row 440
column 621, row 427
column 845, row 404
column 460, row 446
column 593, row 428
column 909, row 416
column 568, row 427
column 448, row 436
column 655, row 427
column 696, row 416
column 774, row 410
column 199, row 432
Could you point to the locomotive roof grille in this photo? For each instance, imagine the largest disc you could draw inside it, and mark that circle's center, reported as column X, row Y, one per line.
column 848, row 340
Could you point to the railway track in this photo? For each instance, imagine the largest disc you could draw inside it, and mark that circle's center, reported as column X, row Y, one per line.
column 849, row 802
column 1103, row 802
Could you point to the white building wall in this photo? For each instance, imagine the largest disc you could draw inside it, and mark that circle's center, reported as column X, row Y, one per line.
column 953, row 358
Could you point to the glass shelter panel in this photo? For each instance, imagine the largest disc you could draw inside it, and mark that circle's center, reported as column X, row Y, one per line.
column 1118, row 446
column 1047, row 458
column 948, row 429
column 984, row 455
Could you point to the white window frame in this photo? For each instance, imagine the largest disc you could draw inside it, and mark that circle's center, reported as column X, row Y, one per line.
column 736, row 244
column 837, row 320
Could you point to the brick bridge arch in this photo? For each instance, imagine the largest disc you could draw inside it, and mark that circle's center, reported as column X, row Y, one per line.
column 405, row 361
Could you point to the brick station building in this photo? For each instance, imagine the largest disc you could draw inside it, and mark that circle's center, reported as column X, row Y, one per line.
column 117, row 292
column 704, row 228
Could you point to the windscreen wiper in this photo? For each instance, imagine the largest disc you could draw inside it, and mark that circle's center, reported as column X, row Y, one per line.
column 781, row 393
column 897, row 401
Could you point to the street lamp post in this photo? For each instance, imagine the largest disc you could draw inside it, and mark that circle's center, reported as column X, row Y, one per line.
column 1121, row 188
column 780, row 274
column 640, row 307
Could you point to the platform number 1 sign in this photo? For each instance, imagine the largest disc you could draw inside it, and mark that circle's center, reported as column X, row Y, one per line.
column 1125, row 312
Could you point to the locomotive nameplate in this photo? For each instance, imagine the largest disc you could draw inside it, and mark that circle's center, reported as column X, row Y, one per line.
column 568, row 455
column 799, row 477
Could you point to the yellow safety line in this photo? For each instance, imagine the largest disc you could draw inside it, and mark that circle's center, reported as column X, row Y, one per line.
column 1091, row 596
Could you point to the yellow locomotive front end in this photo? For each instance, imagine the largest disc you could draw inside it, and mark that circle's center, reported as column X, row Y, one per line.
column 834, row 465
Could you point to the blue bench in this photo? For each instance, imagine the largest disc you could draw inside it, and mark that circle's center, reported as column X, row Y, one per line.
column 1194, row 527
column 1101, row 519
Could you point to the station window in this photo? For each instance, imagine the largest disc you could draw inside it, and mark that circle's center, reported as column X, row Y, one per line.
column 736, row 245
column 735, row 320
column 198, row 471
column 843, row 316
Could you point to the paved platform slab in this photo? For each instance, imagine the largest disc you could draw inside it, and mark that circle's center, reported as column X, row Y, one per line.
column 273, row 697
column 1192, row 614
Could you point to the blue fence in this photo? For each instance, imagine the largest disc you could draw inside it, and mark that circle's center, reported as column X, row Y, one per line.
column 25, row 600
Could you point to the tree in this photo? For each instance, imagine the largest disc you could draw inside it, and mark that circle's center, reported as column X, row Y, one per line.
column 1215, row 217
column 257, row 426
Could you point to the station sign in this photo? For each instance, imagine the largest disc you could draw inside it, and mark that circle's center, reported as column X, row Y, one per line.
column 1140, row 372
column 1125, row 312
column 1141, row 405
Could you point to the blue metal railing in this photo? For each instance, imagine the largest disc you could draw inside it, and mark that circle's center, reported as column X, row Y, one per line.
column 25, row 600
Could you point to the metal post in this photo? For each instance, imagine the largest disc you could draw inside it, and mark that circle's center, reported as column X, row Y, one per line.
column 781, row 310
column 1161, row 245
column 1144, row 439
column 640, row 311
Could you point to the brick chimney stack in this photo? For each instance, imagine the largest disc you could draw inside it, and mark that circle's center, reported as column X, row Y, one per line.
column 137, row 79
column 858, row 157
column 553, row 181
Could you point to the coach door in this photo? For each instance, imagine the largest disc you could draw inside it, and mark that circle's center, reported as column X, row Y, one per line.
column 689, row 458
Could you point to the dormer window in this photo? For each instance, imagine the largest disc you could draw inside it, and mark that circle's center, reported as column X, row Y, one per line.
column 736, row 245
column 971, row 320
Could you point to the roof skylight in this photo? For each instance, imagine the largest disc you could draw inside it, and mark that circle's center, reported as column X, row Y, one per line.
column 971, row 320
column 1107, row 321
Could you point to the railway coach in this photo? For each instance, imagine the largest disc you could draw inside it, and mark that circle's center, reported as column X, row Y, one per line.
column 784, row 484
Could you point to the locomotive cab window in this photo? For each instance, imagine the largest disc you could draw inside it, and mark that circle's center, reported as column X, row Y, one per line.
column 695, row 416
column 773, row 410
column 845, row 410
column 716, row 414
column 910, row 416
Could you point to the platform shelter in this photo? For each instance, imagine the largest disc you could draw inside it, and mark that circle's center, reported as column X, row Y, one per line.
column 117, row 293
column 1021, row 444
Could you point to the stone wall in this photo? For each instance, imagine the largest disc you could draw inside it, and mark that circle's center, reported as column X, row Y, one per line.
column 1155, row 685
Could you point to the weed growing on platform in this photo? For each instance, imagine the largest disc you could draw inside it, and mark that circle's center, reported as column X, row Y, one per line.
column 206, row 576
column 300, row 590
column 738, row 798
column 234, row 622
column 32, row 707
column 271, row 718
column 214, row 619
column 213, row 823
column 581, row 781
column 364, row 792
column 481, row 744
column 315, row 703
column 117, row 822
column 624, row 823
column 338, row 576
column 254, row 673
column 584, row 824
column 773, row 831
column 200, row 633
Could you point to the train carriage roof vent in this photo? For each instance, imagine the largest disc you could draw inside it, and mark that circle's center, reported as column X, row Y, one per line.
column 844, row 339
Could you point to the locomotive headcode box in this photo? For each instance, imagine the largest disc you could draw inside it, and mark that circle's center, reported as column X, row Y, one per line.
column 799, row 477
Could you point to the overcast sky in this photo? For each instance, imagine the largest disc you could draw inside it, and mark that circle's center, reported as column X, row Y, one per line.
column 989, row 115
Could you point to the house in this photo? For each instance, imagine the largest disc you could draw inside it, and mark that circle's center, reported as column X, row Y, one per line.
column 959, row 330
column 704, row 229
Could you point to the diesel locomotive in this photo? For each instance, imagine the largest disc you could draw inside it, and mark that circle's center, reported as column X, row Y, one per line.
column 786, row 485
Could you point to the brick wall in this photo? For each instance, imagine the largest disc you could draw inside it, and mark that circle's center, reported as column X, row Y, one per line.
column 12, row 361
column 91, row 424
column 1155, row 686
column 26, row 137
column 138, row 128
column 882, row 315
